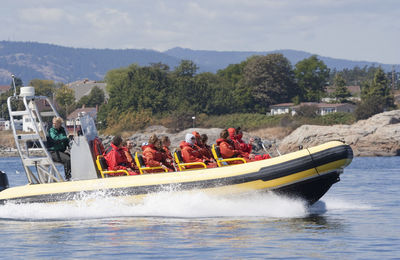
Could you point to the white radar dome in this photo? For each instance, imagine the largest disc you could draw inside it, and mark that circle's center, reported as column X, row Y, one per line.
column 27, row 91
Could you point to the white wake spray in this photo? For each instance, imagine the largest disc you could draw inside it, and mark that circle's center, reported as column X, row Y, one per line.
column 163, row 204
column 177, row 205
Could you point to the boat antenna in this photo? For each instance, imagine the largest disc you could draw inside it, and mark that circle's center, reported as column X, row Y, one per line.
column 13, row 81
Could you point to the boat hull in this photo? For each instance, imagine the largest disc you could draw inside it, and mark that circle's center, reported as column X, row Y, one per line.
column 307, row 174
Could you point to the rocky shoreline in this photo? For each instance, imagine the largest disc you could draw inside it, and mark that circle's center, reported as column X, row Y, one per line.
column 376, row 136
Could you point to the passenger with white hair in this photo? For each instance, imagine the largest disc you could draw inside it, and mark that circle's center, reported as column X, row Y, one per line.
column 191, row 154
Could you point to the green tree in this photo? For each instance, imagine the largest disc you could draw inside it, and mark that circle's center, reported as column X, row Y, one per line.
column 186, row 68
column 312, row 75
column 65, row 98
column 43, row 87
column 355, row 75
column 18, row 82
column 271, row 80
column 379, row 88
column 341, row 92
column 183, row 88
column 233, row 73
column 232, row 95
column 310, row 111
column 205, row 85
column 135, row 89
column 4, row 96
column 96, row 97
column 376, row 96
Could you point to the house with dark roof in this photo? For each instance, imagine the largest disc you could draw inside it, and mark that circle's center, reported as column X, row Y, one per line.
column 72, row 118
column 83, row 87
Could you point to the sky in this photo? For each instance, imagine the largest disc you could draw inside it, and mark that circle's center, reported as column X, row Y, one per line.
column 361, row 30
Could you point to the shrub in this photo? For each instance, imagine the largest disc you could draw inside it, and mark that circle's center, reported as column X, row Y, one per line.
column 368, row 108
column 246, row 121
column 307, row 111
column 128, row 121
column 337, row 118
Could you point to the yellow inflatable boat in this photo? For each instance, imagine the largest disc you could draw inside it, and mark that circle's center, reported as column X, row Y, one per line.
column 307, row 173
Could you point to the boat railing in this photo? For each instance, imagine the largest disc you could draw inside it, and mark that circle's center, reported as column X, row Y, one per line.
column 31, row 140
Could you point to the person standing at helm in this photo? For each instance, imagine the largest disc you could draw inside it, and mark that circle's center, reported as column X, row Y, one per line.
column 58, row 143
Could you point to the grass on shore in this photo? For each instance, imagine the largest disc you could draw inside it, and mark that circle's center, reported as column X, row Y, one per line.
column 7, row 139
column 264, row 126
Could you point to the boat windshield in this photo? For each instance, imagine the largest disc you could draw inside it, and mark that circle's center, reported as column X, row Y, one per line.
column 88, row 127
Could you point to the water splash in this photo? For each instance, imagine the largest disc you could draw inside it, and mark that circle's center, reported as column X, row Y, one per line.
column 163, row 204
column 342, row 204
column 337, row 204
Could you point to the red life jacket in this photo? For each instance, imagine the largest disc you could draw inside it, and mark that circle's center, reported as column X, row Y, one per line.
column 116, row 159
column 97, row 147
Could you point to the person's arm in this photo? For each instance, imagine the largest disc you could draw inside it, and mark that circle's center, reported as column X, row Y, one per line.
column 149, row 159
column 188, row 157
column 112, row 163
column 57, row 136
column 226, row 151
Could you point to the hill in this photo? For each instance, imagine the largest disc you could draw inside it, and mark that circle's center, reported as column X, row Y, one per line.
column 215, row 60
column 29, row 60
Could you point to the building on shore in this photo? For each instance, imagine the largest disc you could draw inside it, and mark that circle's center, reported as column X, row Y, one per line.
column 4, row 89
column 72, row 121
column 322, row 108
column 83, row 87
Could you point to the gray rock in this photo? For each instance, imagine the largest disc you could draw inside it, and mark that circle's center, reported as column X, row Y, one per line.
column 376, row 136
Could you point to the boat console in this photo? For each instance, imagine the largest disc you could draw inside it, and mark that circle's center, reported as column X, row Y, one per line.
column 37, row 113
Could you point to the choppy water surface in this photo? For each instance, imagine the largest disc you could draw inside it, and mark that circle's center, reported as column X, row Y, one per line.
column 357, row 219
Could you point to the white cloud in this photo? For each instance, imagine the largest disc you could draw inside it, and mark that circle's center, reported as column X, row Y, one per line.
column 194, row 9
column 108, row 19
column 354, row 29
column 42, row 15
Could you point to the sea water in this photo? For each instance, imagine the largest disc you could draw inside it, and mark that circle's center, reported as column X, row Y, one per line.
column 357, row 219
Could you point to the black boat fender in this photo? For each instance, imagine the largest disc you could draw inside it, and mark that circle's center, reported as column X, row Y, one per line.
column 3, row 181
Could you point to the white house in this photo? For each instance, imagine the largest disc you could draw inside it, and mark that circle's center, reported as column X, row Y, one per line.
column 283, row 108
column 323, row 108
column 5, row 125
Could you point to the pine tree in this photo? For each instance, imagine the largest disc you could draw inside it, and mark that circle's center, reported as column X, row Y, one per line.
column 341, row 92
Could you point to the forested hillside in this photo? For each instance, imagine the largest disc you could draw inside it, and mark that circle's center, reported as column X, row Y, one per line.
column 215, row 60
column 30, row 60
